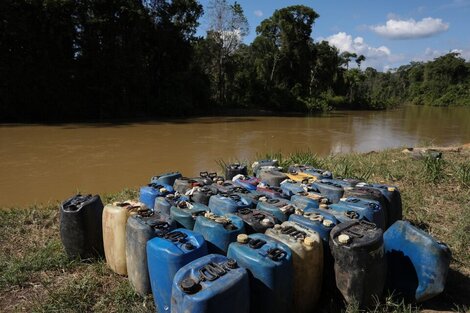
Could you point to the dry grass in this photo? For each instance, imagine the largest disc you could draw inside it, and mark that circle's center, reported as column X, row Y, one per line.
column 35, row 274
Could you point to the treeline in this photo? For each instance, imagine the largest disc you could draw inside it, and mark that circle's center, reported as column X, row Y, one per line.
column 100, row 59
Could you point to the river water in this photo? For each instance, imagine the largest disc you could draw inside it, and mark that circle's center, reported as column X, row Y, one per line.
column 47, row 163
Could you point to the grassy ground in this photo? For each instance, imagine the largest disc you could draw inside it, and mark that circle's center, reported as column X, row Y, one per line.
column 36, row 276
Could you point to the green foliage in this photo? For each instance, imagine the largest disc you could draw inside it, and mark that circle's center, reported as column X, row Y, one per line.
column 433, row 168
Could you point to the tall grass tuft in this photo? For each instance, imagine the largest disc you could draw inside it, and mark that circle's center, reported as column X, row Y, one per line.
column 433, row 169
column 463, row 173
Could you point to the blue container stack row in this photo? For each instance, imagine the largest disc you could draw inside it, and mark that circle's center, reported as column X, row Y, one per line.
column 203, row 246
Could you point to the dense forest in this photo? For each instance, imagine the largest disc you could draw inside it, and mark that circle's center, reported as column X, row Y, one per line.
column 101, row 59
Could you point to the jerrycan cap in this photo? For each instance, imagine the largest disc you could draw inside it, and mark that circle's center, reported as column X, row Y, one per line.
column 231, row 263
column 344, row 239
column 343, row 199
column 391, row 189
column 242, row 238
column 266, row 222
column 324, row 206
column 327, row 223
column 163, row 190
column 324, row 200
column 189, row 285
column 309, row 241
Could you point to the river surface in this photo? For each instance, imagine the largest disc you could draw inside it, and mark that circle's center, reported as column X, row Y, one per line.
column 48, row 163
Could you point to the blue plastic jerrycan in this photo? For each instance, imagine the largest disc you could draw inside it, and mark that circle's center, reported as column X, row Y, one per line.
column 319, row 221
column 165, row 256
column 270, row 191
column 279, row 208
column 308, row 200
column 247, row 182
column 290, row 188
column 164, row 204
column 149, row 193
column 392, row 195
column 219, row 231
column 185, row 213
column 356, row 208
column 330, row 188
column 269, row 263
column 417, row 263
column 211, row 284
column 224, row 203
column 166, row 178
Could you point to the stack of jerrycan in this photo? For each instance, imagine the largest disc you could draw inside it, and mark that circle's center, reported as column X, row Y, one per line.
column 256, row 221
column 360, row 264
column 140, row 229
column 281, row 209
column 307, row 256
column 166, row 178
column 234, row 169
column 184, row 213
column 211, row 284
column 165, row 256
column 81, row 226
column 149, row 193
column 219, row 231
column 357, row 208
column 269, row 263
column 224, row 203
column 114, row 232
column 418, row 264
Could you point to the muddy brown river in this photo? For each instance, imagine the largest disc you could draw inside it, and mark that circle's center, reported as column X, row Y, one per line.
column 48, row 163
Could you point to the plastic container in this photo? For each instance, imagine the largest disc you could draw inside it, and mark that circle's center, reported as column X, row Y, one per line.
column 300, row 177
column 166, row 255
column 219, row 231
column 185, row 213
column 279, row 208
column 308, row 200
column 360, row 265
column 368, row 193
column 163, row 204
column 81, row 226
column 209, row 284
column 257, row 165
column 332, row 190
column 417, row 263
column 149, row 193
column 271, row 272
column 231, row 170
column 225, row 186
column 166, row 178
column 370, row 210
column 183, row 184
column 247, row 182
column 114, row 232
column 393, row 204
column 139, row 230
column 202, row 194
column 290, row 187
column 307, row 256
column 224, row 203
column 270, row 192
column 256, row 221
column 320, row 222
column 271, row 177
column 307, row 169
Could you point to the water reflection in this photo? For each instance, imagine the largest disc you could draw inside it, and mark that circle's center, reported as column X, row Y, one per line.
column 41, row 163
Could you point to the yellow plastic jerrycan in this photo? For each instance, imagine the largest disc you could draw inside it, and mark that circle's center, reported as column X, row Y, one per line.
column 307, row 256
column 301, row 177
column 114, row 232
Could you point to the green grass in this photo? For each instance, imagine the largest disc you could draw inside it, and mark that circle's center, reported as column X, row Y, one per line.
column 36, row 276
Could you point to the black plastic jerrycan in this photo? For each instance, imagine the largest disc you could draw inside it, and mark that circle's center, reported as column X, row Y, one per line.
column 232, row 170
column 81, row 227
column 360, row 265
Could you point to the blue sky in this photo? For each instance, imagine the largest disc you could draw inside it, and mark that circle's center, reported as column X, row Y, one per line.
column 389, row 33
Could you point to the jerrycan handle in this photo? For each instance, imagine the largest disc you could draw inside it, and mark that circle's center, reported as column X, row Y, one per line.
column 276, row 254
column 352, row 214
column 353, row 200
column 256, row 243
column 176, row 236
column 204, row 174
column 244, row 211
column 211, row 272
column 212, row 175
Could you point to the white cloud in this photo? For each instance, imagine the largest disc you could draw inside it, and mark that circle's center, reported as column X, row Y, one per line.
column 258, row 13
column 407, row 29
column 430, row 54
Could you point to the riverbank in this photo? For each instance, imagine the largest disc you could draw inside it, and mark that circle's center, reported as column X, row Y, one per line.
column 35, row 274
